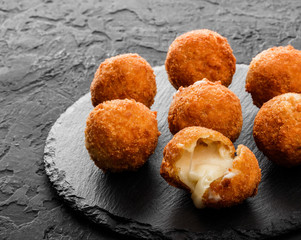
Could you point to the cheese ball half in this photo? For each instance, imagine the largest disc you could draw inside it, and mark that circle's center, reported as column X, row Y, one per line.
column 121, row 134
column 277, row 129
column 203, row 162
column 273, row 72
column 124, row 76
column 206, row 104
column 200, row 54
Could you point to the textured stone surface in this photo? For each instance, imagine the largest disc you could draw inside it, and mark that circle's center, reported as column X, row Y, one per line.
column 142, row 204
column 49, row 51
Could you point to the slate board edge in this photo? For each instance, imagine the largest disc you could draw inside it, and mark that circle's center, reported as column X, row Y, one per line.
column 132, row 228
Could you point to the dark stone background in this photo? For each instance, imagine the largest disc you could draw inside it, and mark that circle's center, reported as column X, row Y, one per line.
column 49, row 51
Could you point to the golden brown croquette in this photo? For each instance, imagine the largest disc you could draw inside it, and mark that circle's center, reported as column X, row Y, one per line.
column 124, row 76
column 200, row 54
column 206, row 104
column 121, row 134
column 277, row 129
column 273, row 72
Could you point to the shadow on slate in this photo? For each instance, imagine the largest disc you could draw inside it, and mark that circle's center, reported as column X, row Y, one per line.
column 143, row 205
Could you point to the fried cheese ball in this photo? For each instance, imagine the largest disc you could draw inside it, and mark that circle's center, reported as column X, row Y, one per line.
column 277, row 129
column 200, row 54
column 273, row 72
column 120, row 135
column 124, row 76
column 203, row 162
column 206, row 104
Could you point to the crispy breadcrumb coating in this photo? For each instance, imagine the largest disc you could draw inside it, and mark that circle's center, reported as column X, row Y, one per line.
column 121, row 135
column 273, row 72
column 200, row 54
column 206, row 104
column 277, row 129
column 124, row 76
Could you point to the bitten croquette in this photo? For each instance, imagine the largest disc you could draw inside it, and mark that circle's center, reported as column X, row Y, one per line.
column 203, row 162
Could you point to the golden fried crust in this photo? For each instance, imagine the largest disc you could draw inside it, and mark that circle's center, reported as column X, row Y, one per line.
column 121, row 135
column 273, row 72
column 209, row 105
column 200, row 54
column 277, row 129
column 124, row 76
column 243, row 184
column 175, row 148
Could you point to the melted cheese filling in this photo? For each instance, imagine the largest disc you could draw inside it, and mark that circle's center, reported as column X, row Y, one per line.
column 201, row 164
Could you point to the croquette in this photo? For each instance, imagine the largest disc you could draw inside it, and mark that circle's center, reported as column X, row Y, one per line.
column 200, row 54
column 277, row 129
column 203, row 162
column 273, row 72
column 124, row 76
column 120, row 135
column 206, row 104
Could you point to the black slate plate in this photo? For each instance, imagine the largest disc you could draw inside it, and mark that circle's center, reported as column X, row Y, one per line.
column 142, row 204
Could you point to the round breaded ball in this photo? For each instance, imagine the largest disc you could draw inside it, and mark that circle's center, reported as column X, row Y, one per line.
column 206, row 104
column 273, row 72
column 203, row 162
column 124, row 76
column 277, row 129
column 121, row 134
column 200, row 54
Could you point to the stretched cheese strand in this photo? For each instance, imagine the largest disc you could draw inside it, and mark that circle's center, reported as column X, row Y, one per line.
column 200, row 165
